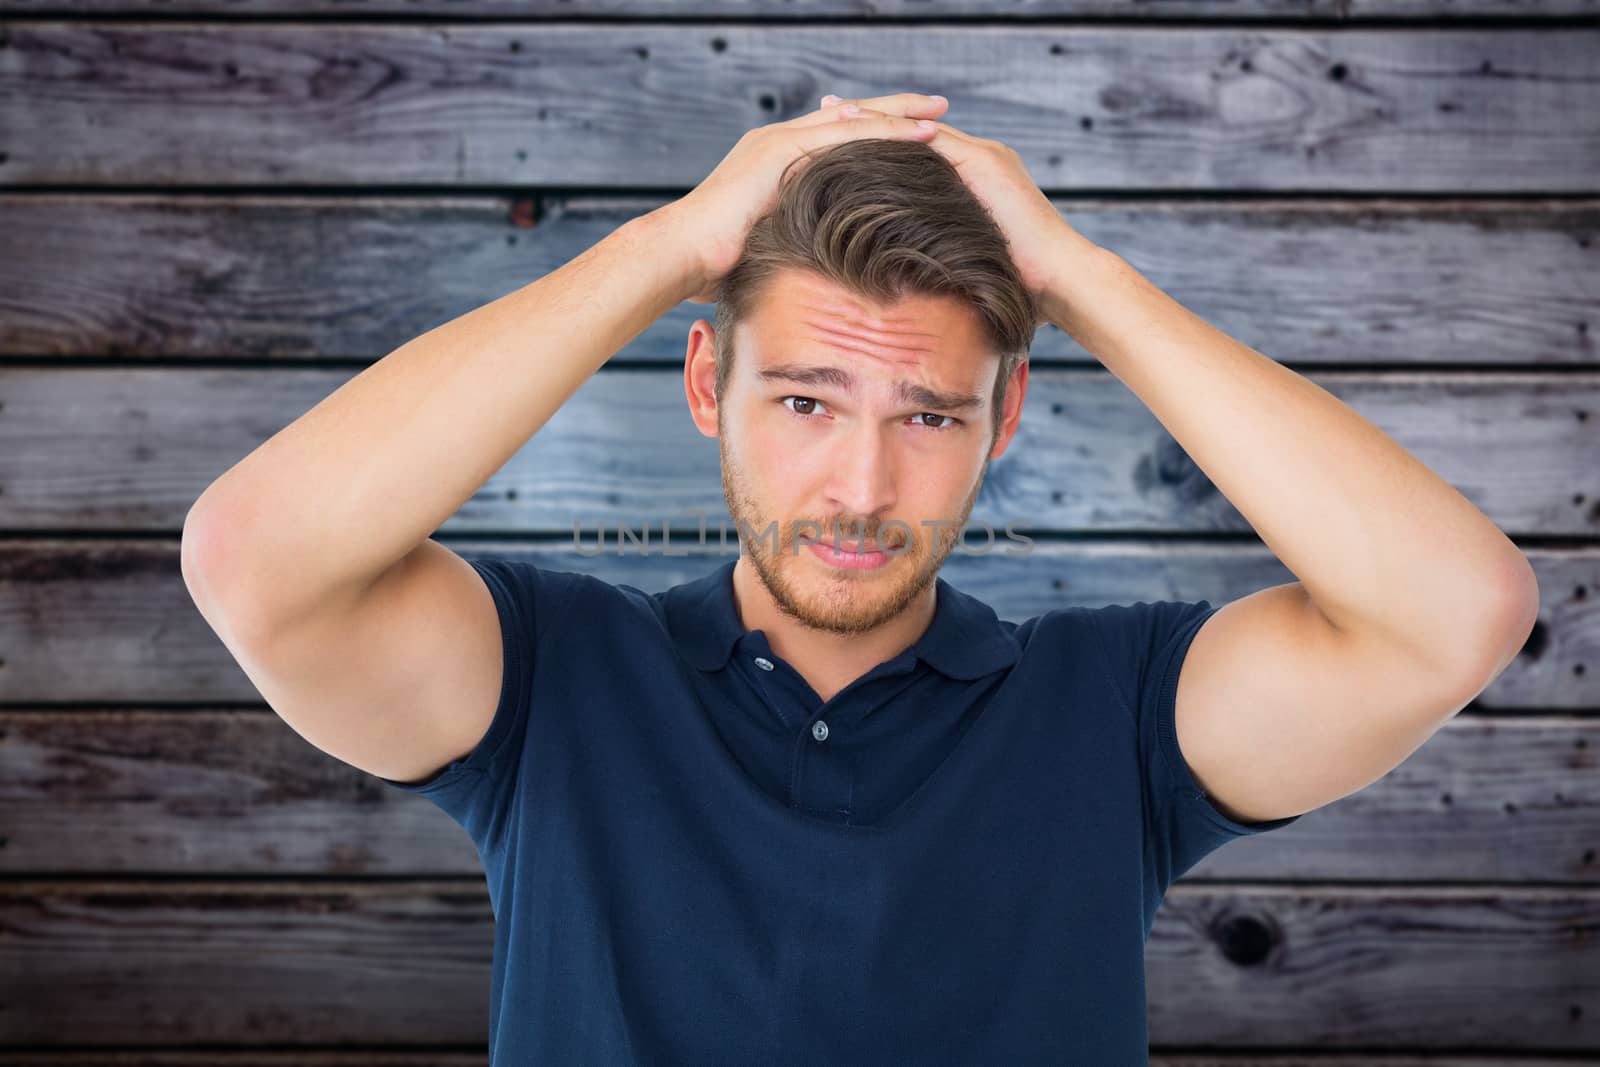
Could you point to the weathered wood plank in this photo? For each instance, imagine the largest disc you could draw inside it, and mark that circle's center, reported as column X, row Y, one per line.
column 1489, row 798
column 777, row 10
column 173, row 792
column 1331, row 966
column 290, row 277
column 239, row 964
column 401, row 1058
column 132, row 963
column 1478, row 110
column 112, row 621
column 133, row 448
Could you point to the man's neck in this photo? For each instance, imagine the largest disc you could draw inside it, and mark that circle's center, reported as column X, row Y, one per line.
column 827, row 661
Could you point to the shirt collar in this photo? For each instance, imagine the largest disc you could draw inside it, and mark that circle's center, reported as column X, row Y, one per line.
column 966, row 640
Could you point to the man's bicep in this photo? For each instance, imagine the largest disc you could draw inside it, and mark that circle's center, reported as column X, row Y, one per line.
column 475, row 787
column 1143, row 646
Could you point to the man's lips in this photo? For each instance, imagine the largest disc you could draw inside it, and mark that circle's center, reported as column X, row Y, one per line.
column 853, row 547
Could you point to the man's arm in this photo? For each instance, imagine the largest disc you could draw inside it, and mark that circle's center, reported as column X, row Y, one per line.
column 322, row 509
column 1410, row 601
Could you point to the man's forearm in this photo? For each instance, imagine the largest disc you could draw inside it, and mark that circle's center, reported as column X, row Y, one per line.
column 322, row 508
column 1380, row 543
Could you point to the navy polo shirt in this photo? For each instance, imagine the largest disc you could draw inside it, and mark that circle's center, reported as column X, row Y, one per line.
column 694, row 859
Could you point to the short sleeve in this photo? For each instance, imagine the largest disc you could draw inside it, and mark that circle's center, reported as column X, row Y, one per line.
column 475, row 790
column 1145, row 647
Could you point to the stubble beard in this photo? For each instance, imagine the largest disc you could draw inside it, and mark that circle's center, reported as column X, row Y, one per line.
column 842, row 602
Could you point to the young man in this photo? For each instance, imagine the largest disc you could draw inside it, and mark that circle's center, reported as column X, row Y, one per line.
column 820, row 806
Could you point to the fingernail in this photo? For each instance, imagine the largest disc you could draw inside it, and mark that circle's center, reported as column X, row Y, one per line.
column 926, row 124
column 941, row 99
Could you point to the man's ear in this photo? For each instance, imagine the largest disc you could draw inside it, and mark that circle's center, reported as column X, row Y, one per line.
column 700, row 376
column 1012, row 414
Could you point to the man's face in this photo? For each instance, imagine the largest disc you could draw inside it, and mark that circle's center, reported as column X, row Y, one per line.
column 841, row 416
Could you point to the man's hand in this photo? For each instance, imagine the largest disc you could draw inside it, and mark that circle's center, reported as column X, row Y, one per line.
column 714, row 219
column 1041, row 241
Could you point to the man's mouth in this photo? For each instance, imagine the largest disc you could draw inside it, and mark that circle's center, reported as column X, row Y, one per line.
column 854, row 547
column 860, row 555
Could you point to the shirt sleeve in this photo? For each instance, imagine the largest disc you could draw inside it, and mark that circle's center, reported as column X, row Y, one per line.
column 476, row 789
column 1145, row 645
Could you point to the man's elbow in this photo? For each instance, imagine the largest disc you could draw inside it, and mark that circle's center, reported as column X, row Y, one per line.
column 1506, row 628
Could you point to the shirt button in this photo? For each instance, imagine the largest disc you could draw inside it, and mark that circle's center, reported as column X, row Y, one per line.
column 764, row 663
column 819, row 730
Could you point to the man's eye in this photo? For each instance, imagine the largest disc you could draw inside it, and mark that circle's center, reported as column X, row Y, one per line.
column 802, row 400
column 944, row 423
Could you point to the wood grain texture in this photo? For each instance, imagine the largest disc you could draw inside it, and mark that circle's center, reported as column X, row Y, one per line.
column 654, row 104
column 124, row 1057
column 112, row 622
column 133, row 448
column 779, row 10
column 321, row 963
column 128, row 792
column 143, row 277
column 238, row 203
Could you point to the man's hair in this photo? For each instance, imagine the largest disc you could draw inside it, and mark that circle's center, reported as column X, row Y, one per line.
column 884, row 219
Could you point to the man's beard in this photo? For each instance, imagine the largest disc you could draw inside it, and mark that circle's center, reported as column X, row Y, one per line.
column 839, row 601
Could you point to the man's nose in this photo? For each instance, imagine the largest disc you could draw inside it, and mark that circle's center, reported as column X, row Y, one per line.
column 863, row 476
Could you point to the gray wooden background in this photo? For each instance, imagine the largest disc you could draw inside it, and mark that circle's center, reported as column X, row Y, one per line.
column 216, row 211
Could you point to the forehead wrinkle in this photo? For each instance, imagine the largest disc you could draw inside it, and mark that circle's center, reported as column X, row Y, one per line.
column 831, row 310
column 838, row 315
column 917, row 344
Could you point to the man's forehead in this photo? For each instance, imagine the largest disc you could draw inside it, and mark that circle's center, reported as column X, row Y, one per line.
column 916, row 323
column 812, row 331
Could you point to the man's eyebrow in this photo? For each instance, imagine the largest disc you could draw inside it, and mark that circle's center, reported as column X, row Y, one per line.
column 910, row 393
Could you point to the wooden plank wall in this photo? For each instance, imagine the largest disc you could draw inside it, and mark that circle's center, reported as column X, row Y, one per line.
column 215, row 211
